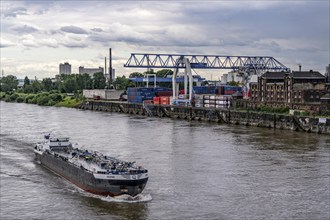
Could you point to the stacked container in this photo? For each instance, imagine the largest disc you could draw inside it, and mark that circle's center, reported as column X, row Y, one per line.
column 212, row 101
column 140, row 94
column 216, row 101
column 228, row 90
column 162, row 100
column 220, row 90
column 204, row 89
column 199, row 100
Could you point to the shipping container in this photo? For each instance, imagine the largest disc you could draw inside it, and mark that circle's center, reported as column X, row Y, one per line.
column 156, row 100
column 164, row 93
column 209, row 105
column 164, row 100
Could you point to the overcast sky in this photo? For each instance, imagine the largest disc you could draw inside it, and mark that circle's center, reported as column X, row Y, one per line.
column 36, row 36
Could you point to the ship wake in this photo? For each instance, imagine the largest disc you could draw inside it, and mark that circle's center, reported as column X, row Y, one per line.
column 128, row 198
column 123, row 198
column 119, row 199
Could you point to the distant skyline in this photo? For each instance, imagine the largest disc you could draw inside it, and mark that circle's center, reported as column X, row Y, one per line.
column 36, row 36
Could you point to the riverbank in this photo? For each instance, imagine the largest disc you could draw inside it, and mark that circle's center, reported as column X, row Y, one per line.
column 43, row 99
column 247, row 118
column 238, row 117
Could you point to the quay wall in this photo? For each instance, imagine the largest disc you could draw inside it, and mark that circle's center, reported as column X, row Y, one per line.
column 267, row 120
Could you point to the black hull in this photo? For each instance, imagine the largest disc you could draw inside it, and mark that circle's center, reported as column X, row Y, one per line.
column 85, row 180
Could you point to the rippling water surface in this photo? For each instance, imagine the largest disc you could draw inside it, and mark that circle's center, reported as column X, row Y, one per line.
column 197, row 170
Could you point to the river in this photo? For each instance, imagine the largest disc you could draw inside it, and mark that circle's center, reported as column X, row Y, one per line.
column 197, row 170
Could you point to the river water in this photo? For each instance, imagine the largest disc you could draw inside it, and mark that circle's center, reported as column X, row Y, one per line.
column 197, row 170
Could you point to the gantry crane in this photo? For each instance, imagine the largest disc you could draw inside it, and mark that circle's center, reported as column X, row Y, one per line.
column 245, row 66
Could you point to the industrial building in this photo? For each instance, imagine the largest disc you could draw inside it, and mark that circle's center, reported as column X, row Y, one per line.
column 300, row 90
column 90, row 71
column 64, row 68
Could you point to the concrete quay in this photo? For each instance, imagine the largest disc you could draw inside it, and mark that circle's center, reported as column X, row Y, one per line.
column 246, row 118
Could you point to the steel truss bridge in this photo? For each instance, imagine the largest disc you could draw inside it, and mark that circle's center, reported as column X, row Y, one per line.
column 247, row 63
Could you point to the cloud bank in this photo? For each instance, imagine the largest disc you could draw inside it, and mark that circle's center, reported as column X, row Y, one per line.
column 82, row 31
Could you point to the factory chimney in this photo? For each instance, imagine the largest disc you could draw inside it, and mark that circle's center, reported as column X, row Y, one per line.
column 110, row 65
column 105, row 66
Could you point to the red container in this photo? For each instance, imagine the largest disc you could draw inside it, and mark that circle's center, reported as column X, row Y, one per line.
column 164, row 93
column 229, row 92
column 164, row 100
column 156, row 100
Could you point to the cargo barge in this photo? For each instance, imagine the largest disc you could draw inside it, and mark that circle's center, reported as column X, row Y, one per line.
column 91, row 171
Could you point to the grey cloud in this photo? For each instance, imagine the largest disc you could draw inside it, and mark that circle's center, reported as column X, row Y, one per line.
column 74, row 44
column 13, row 12
column 24, row 29
column 97, row 29
column 73, row 29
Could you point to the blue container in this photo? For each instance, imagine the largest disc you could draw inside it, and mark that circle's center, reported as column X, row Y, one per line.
column 161, row 89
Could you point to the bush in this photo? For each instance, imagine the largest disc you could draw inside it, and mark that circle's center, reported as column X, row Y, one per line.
column 51, row 103
column 28, row 98
column 43, row 100
column 20, row 99
column 13, row 97
column 56, row 97
column 34, row 100
column 2, row 95
column 7, row 98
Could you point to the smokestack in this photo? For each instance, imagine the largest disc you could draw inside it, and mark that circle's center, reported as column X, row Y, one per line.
column 110, row 65
column 105, row 66
column 299, row 67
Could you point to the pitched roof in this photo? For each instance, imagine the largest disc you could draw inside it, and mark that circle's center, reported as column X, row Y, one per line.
column 307, row 74
column 294, row 74
column 274, row 75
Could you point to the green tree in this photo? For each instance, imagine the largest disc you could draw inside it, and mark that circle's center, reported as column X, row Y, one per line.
column 164, row 72
column 47, row 84
column 122, row 82
column 84, row 81
column 135, row 74
column 28, row 89
column 233, row 83
column 151, row 71
column 64, row 77
column 26, row 82
column 8, row 83
column 69, row 85
column 37, row 86
column 99, row 80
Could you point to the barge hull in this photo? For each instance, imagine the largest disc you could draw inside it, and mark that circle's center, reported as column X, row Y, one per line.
column 85, row 179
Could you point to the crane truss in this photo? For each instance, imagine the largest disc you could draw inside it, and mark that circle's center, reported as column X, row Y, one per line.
column 256, row 63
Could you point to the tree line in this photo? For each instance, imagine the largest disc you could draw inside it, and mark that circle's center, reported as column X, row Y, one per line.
column 64, row 83
column 73, row 83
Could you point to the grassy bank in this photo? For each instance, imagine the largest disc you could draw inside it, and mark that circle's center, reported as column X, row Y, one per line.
column 43, row 99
